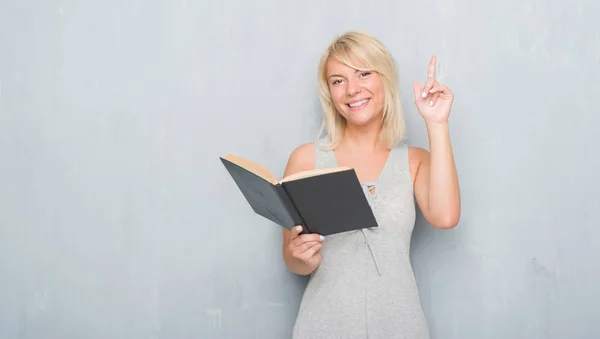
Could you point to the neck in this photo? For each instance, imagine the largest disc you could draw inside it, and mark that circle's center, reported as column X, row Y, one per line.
column 362, row 138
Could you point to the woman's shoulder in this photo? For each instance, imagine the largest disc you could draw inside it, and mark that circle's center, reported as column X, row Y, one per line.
column 416, row 153
column 301, row 158
column 417, row 156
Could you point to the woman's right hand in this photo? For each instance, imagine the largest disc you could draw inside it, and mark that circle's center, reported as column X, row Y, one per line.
column 305, row 247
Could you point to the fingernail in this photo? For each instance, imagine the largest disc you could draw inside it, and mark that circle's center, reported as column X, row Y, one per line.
column 423, row 94
column 322, row 237
column 431, row 103
column 299, row 228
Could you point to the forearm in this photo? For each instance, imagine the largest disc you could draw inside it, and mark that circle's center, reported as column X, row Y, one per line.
column 443, row 189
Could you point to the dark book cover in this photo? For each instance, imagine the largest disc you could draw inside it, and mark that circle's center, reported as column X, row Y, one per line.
column 331, row 203
column 324, row 204
column 262, row 195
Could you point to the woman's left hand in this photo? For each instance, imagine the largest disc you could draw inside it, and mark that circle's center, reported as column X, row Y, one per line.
column 433, row 100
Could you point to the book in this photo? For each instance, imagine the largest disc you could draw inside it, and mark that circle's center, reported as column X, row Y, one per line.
column 324, row 201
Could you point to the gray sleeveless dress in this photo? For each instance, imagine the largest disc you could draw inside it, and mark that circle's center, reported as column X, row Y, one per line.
column 365, row 286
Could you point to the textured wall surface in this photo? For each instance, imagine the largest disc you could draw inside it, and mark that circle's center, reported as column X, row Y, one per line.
column 118, row 221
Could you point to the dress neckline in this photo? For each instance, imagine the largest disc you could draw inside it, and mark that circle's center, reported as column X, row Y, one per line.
column 379, row 176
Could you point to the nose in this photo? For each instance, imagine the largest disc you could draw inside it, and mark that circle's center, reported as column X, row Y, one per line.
column 353, row 88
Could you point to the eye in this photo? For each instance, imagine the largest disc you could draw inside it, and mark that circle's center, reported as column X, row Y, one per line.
column 365, row 74
column 335, row 82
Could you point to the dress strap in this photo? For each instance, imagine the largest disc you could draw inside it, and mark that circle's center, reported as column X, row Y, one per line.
column 323, row 158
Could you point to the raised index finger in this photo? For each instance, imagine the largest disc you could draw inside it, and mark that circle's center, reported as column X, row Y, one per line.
column 431, row 70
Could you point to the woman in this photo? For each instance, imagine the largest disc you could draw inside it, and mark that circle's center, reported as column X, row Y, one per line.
column 362, row 283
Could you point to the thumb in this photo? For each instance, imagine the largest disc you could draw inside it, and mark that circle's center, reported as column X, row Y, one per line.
column 295, row 232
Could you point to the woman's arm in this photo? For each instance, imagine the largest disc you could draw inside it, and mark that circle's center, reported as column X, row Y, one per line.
column 301, row 253
column 436, row 182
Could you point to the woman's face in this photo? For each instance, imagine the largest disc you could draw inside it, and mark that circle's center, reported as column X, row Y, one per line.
column 358, row 95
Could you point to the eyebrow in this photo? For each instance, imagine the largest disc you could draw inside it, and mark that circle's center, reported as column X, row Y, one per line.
column 341, row 76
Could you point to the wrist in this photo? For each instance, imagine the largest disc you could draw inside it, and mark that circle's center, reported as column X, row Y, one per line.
column 438, row 133
column 436, row 126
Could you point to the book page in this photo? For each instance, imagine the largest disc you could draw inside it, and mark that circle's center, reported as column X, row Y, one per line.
column 253, row 167
column 313, row 172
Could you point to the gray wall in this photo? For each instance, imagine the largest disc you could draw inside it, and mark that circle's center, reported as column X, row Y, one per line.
column 118, row 220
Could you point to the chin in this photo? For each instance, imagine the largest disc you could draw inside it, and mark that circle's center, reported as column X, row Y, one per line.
column 359, row 118
column 359, row 122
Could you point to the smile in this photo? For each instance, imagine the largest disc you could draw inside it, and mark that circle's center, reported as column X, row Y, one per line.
column 358, row 104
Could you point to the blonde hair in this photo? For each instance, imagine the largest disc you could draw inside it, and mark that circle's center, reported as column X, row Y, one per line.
column 370, row 54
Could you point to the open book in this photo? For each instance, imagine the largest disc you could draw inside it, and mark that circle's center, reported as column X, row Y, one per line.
column 323, row 201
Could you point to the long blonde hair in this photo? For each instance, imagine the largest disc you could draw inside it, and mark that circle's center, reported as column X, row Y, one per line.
column 371, row 54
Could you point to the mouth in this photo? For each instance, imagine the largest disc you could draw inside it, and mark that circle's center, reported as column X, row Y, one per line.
column 358, row 104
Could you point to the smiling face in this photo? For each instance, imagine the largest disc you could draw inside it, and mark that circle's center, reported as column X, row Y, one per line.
column 358, row 87
column 358, row 95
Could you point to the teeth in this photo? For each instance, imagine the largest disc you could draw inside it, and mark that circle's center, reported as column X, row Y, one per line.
column 360, row 103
